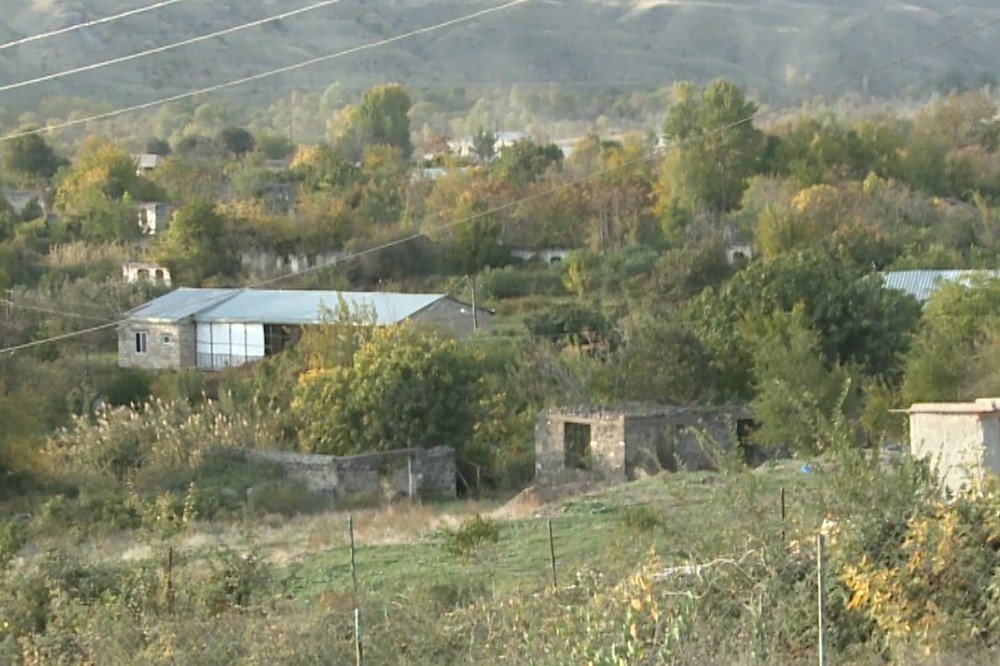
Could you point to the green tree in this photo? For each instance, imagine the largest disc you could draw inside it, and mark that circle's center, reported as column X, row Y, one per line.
column 484, row 144
column 859, row 322
column 30, row 156
column 237, row 141
column 381, row 118
column 662, row 362
column 718, row 149
column 954, row 354
column 156, row 146
column 96, row 195
column 795, row 391
column 197, row 245
column 524, row 161
column 401, row 388
column 323, row 167
column 382, row 196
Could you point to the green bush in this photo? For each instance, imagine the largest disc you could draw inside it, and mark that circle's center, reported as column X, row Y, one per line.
column 127, row 386
column 513, row 282
column 642, row 518
column 237, row 581
column 179, row 385
column 472, row 535
column 13, row 535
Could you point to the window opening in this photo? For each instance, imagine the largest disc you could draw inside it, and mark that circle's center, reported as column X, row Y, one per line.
column 577, row 443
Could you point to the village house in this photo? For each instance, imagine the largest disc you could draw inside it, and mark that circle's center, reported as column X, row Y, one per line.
column 960, row 440
column 548, row 256
column 212, row 329
column 20, row 200
column 922, row 284
column 145, row 271
column 146, row 163
column 617, row 444
column 154, row 218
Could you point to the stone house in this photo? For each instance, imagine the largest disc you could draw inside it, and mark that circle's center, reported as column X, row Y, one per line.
column 146, row 163
column 154, row 218
column 961, row 440
column 620, row 443
column 548, row 256
column 20, row 200
column 145, row 271
column 212, row 329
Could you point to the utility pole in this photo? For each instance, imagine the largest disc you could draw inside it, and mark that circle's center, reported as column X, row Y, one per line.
column 475, row 313
column 9, row 303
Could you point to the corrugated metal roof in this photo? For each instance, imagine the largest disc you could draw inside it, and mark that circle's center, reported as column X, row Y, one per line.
column 180, row 303
column 922, row 284
column 279, row 307
column 308, row 307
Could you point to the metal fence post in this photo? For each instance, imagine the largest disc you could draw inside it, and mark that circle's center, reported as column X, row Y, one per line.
column 821, row 596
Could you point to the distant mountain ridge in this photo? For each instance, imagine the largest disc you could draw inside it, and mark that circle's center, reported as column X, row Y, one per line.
column 772, row 46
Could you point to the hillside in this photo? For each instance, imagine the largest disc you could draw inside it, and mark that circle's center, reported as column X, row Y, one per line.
column 776, row 47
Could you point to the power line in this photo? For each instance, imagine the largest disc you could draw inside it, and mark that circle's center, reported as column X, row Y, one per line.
column 57, row 338
column 88, row 24
column 542, row 193
column 271, row 72
column 61, row 313
column 167, row 47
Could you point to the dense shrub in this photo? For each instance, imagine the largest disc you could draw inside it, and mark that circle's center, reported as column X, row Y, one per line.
column 160, row 437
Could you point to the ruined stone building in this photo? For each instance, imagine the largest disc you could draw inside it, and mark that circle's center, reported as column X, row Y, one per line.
column 618, row 443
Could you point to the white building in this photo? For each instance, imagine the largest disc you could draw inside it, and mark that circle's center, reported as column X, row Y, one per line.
column 961, row 440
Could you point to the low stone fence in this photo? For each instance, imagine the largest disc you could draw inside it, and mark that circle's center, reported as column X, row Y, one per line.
column 425, row 472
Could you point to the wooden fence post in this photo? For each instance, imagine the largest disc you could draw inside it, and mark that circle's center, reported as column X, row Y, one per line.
column 552, row 557
column 359, row 652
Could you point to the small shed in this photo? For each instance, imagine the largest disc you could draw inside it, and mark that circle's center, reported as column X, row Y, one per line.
column 619, row 442
column 961, row 440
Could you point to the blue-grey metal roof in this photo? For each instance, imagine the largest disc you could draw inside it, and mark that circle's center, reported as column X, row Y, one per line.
column 308, row 307
column 922, row 284
column 266, row 306
column 179, row 304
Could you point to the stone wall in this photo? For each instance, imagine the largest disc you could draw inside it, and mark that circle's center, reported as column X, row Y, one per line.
column 261, row 264
column 168, row 346
column 371, row 474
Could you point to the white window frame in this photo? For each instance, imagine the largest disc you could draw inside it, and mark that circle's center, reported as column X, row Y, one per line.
column 142, row 342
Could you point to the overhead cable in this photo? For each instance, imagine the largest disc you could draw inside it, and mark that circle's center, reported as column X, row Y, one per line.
column 268, row 73
column 542, row 193
column 166, row 47
column 87, row 24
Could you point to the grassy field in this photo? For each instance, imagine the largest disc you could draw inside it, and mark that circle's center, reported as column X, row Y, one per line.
column 677, row 568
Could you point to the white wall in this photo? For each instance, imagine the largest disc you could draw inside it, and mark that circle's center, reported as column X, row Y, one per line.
column 226, row 345
column 956, row 445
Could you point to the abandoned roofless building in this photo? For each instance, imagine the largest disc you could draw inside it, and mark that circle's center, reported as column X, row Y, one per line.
column 617, row 443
